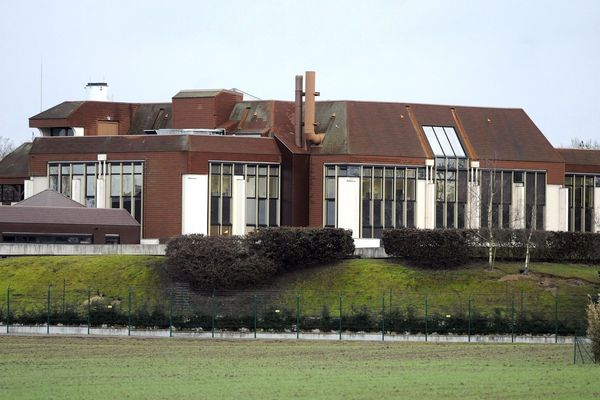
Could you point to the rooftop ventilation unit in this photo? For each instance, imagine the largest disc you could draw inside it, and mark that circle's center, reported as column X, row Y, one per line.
column 199, row 132
column 96, row 91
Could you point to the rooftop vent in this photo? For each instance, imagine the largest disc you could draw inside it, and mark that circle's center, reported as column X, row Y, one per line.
column 96, row 91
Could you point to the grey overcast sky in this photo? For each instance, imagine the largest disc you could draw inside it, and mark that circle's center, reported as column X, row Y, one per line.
column 542, row 56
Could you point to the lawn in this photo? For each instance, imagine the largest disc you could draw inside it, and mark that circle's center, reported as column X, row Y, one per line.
column 108, row 368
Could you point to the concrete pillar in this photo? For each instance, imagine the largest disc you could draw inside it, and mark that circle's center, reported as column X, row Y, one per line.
column 76, row 190
column 518, row 206
column 28, row 188
column 100, row 193
column 563, row 210
column 194, row 204
column 238, row 206
column 474, row 206
column 420, row 204
column 596, row 215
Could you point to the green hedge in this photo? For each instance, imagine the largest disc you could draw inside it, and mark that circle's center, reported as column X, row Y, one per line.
column 238, row 262
column 223, row 262
column 445, row 248
column 428, row 248
column 297, row 248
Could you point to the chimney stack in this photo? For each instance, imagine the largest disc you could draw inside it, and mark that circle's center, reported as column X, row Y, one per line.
column 309, row 110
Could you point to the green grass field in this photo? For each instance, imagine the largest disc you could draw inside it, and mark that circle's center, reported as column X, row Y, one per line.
column 109, row 368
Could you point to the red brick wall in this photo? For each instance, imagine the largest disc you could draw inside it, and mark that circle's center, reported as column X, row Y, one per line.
column 162, row 186
column 194, row 113
column 224, row 104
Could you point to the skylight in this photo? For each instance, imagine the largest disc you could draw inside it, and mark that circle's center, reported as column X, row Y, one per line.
column 444, row 141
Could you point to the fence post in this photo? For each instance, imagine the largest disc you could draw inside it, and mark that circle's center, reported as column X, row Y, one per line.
column 469, row 318
column 7, row 309
column 426, row 317
column 575, row 348
column 254, row 312
column 390, row 307
column 170, row 312
column 512, row 325
column 383, row 317
column 340, row 316
column 129, row 311
column 556, row 318
column 212, row 314
column 297, row 316
column 48, row 312
column 89, row 310
column 64, row 299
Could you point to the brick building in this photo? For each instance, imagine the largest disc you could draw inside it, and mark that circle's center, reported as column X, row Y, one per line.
column 211, row 162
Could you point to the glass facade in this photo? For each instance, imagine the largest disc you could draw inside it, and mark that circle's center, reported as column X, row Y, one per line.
column 262, row 195
column 124, row 183
column 581, row 201
column 387, row 193
column 451, row 192
column 498, row 186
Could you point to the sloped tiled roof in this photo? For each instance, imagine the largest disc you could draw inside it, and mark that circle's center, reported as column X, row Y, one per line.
column 183, row 94
column 60, row 111
column 66, row 216
column 16, row 164
column 151, row 116
column 48, row 198
column 580, row 156
column 505, row 134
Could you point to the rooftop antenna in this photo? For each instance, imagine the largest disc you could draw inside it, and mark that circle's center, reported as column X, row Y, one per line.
column 41, row 82
column 245, row 93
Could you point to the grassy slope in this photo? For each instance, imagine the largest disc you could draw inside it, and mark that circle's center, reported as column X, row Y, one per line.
column 30, row 276
column 74, row 368
column 362, row 282
column 366, row 281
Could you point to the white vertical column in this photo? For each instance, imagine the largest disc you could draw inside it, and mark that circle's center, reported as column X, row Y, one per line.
column 239, row 205
column 474, row 206
column 596, row 215
column 518, row 206
column 348, row 209
column 194, row 204
column 76, row 190
column 552, row 214
column 563, row 210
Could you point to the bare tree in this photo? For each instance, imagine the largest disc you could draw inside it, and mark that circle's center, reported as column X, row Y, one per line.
column 588, row 144
column 487, row 234
column 6, row 147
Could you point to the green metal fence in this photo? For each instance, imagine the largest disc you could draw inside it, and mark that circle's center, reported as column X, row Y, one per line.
column 183, row 309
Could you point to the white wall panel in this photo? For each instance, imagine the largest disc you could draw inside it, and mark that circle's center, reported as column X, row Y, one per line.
column 194, row 204
column 348, row 212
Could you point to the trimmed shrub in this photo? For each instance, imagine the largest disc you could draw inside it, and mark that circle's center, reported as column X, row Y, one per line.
column 295, row 248
column 437, row 249
column 222, row 262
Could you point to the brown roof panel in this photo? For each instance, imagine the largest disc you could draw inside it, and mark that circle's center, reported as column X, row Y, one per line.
column 16, row 164
column 151, row 117
column 48, row 198
column 66, row 216
column 505, row 134
column 60, row 111
column 109, row 144
column 581, row 156
column 381, row 129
